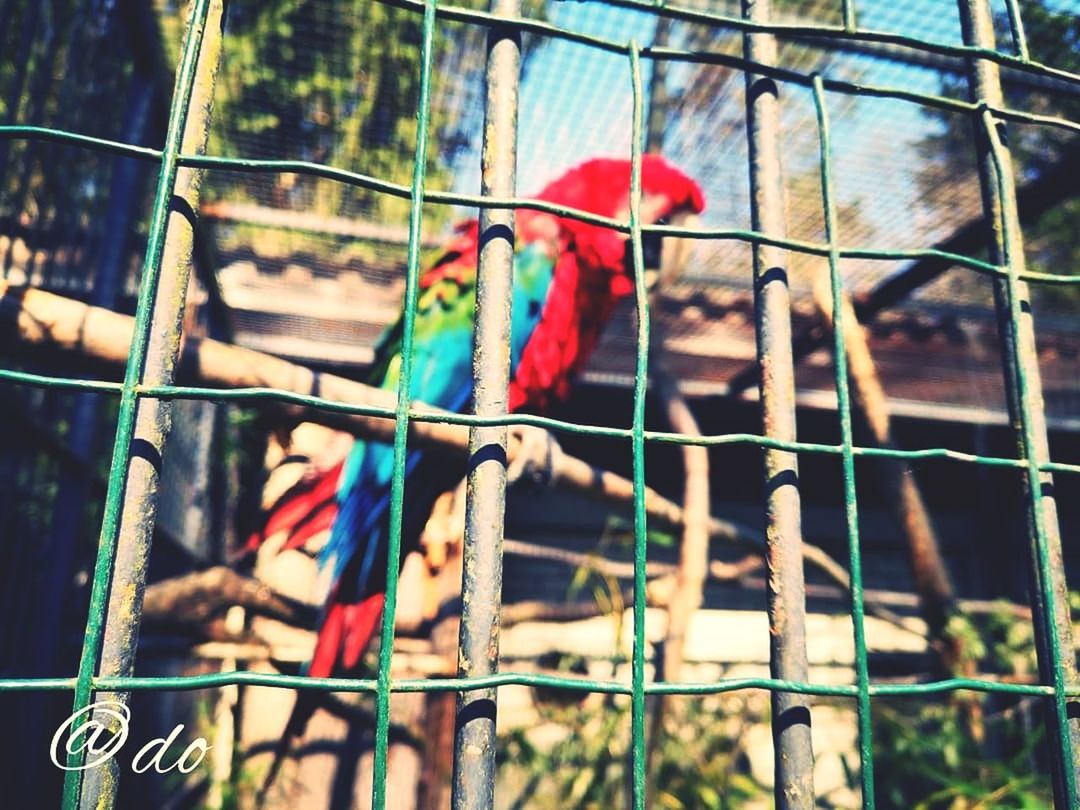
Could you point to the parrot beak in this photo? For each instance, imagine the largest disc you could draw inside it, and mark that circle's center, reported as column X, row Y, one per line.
column 651, row 253
column 675, row 254
column 666, row 257
column 652, row 246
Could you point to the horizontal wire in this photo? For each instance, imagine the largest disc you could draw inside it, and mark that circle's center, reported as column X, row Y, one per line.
column 534, row 679
column 439, row 197
column 827, row 32
column 545, row 422
column 475, row 201
column 844, row 34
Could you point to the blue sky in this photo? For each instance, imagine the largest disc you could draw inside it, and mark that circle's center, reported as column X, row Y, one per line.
column 576, row 103
column 575, row 100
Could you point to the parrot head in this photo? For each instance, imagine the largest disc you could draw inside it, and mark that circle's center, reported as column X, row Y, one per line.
column 602, row 186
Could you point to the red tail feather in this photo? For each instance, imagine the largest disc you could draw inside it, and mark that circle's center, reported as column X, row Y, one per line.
column 345, row 635
column 305, row 509
column 319, row 521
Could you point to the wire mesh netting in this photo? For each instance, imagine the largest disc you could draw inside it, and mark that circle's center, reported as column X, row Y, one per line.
column 316, row 203
column 890, row 193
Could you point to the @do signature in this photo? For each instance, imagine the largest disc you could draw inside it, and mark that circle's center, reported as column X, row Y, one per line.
column 99, row 731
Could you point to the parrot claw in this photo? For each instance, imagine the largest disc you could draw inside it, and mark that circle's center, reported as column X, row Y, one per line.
column 445, row 528
column 536, row 460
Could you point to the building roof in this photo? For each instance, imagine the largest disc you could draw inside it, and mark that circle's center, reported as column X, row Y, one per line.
column 306, row 281
column 936, row 360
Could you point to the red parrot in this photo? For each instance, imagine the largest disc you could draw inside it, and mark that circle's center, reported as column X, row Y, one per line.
column 568, row 278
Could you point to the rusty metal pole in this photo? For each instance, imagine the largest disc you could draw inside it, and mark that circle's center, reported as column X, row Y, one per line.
column 658, row 95
column 896, row 477
column 134, row 485
column 793, row 751
column 1023, row 386
column 485, row 510
column 73, row 488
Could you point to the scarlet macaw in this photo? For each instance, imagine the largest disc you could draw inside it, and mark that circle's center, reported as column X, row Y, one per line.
column 568, row 277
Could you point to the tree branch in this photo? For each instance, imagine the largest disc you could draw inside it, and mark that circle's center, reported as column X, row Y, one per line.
column 896, row 478
column 201, row 596
column 46, row 322
column 1053, row 186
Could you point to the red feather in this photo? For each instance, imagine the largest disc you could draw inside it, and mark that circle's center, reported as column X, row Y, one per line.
column 303, row 510
column 346, row 632
column 588, row 281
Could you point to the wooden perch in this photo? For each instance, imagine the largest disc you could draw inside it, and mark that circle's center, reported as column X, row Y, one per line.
column 47, row 322
column 198, row 597
column 871, row 407
column 200, row 600
column 687, row 584
column 694, row 548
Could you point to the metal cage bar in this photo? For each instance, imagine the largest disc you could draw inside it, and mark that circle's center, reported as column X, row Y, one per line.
column 485, row 505
column 638, row 750
column 794, row 760
column 843, row 407
column 127, row 526
column 509, row 678
column 1023, row 387
column 401, row 413
column 148, row 374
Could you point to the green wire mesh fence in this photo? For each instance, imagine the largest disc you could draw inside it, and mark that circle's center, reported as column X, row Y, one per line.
column 145, row 394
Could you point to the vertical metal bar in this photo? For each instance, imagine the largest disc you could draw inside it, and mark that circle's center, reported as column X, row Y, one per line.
column 658, row 95
column 641, row 371
column 1051, row 595
column 843, row 406
column 1023, row 385
column 1016, row 24
column 69, row 513
column 142, row 424
column 793, row 752
column 848, row 8
column 401, row 413
column 485, row 505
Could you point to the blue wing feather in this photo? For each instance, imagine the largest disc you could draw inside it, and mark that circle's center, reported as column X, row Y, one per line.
column 441, row 376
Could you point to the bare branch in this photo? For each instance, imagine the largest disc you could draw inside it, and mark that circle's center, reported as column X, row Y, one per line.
column 199, row 597
column 46, row 322
column 895, row 476
column 49, row 322
column 694, row 548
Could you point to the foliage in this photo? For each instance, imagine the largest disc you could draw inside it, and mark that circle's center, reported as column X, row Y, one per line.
column 57, row 73
column 337, row 82
column 926, row 759
column 948, row 753
column 698, row 760
column 348, row 102
column 1051, row 243
column 929, row 753
column 241, row 449
column 1052, row 247
column 698, row 763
